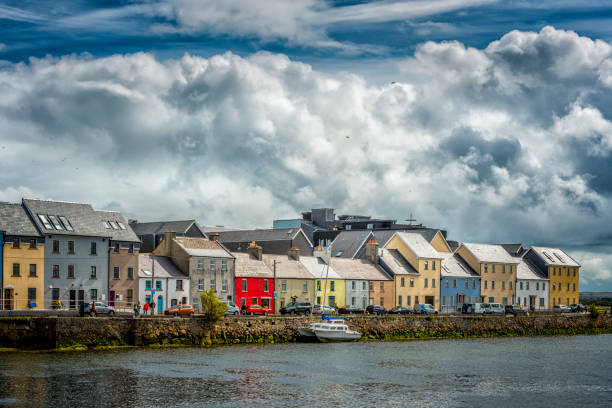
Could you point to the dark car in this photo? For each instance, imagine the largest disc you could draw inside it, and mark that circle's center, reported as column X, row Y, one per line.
column 350, row 310
column 375, row 309
column 514, row 310
column 297, row 308
column 467, row 308
column 101, row 308
column 578, row 308
column 401, row 310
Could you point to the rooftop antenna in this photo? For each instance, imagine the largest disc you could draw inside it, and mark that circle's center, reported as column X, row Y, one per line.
column 410, row 219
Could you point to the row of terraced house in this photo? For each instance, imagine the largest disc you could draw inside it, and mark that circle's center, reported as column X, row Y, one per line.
column 60, row 254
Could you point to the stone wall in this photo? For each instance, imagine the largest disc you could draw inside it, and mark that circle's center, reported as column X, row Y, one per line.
column 87, row 332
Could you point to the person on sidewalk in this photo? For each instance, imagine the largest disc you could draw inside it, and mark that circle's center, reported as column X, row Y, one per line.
column 152, row 307
column 137, row 309
column 145, row 309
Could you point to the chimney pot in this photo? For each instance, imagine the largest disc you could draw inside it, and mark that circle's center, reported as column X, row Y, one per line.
column 294, row 253
column 372, row 251
column 255, row 251
column 213, row 236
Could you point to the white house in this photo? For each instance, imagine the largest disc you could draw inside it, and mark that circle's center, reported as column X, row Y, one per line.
column 531, row 285
column 159, row 279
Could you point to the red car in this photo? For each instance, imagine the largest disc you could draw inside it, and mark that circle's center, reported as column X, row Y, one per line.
column 257, row 310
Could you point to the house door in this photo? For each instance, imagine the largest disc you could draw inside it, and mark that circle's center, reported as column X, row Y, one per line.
column 111, row 298
column 430, row 300
column 532, row 302
column 81, row 297
column 460, row 299
column 160, row 304
column 72, row 303
column 8, row 299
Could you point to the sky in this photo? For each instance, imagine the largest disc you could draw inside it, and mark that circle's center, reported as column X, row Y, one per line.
column 490, row 119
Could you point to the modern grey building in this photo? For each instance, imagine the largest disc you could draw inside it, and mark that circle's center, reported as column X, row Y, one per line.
column 152, row 233
column 76, row 251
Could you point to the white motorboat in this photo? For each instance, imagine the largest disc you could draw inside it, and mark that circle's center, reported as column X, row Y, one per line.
column 335, row 331
column 310, row 331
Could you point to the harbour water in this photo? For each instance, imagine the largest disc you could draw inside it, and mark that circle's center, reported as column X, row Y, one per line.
column 565, row 371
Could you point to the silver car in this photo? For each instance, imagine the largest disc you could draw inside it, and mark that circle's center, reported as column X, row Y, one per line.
column 323, row 309
column 232, row 309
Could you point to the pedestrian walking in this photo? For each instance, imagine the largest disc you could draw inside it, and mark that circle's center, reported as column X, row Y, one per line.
column 152, row 307
column 243, row 310
column 137, row 309
column 145, row 309
column 92, row 312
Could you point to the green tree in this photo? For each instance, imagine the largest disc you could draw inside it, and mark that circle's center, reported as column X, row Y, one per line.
column 212, row 307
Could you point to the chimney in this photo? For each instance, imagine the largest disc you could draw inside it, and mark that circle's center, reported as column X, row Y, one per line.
column 255, row 251
column 294, row 253
column 213, row 236
column 372, row 251
column 165, row 246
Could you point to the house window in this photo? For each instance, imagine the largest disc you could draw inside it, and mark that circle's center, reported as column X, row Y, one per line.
column 129, row 296
column 15, row 269
column 574, row 272
column 503, row 268
column 158, row 285
column 70, row 247
column 148, row 284
column 224, row 265
column 541, row 302
column 568, row 288
column 433, row 283
column 200, row 284
column 179, row 284
column 467, row 283
column 511, row 285
column 93, row 250
column 31, row 296
column 200, row 264
column 382, row 286
column 117, row 247
column 426, row 265
column 353, row 301
column 265, row 285
column 116, row 272
column 45, row 221
column 504, row 301
column 130, row 273
column 55, row 294
column 347, row 227
column 71, row 271
column 353, row 283
column 443, row 300
column 382, row 301
column 305, row 287
column 521, row 285
column 527, row 285
column 94, row 294
column 363, row 285
column 447, row 283
column 244, row 285
column 56, row 248
column 485, row 284
column 537, row 285
column 370, row 226
column 402, row 282
column 433, row 265
column 56, row 271
column 492, row 284
column 332, row 286
column 399, row 300
column 254, row 301
column 491, row 300
column 33, row 243
column 493, row 268
column 408, row 300
column 412, row 282
column 15, row 242
column 474, row 284
column 370, row 285
column 92, row 272
column 568, row 273
column 331, row 301
column 503, row 284
column 212, row 265
column 318, row 285
column 425, row 282
column 416, row 300
column 224, row 285
column 131, row 249
column 574, row 286
column 33, row 270
column 284, row 286
column 452, row 299
column 454, row 283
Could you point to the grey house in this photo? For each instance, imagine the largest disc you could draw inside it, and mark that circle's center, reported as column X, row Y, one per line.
column 76, row 251
column 272, row 241
column 152, row 233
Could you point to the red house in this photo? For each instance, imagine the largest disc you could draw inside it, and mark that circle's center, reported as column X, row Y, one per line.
column 254, row 285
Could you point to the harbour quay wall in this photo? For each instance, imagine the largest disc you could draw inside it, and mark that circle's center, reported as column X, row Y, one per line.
column 80, row 333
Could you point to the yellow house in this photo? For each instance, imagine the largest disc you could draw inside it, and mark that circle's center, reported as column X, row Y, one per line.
column 330, row 288
column 22, row 260
column 418, row 267
column 436, row 240
column 292, row 283
column 497, row 270
column 563, row 274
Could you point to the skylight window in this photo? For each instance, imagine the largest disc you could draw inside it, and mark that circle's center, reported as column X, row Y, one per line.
column 45, row 221
column 121, row 225
column 339, row 253
column 147, row 272
column 66, row 223
column 548, row 256
column 106, row 225
column 559, row 257
column 114, row 225
column 56, row 223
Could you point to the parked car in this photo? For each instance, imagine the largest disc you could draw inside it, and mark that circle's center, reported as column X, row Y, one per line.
column 257, row 310
column 376, row 309
column 467, row 308
column 323, row 309
column 515, row 310
column 482, row 308
column 401, row 310
column 562, row 309
column 424, row 308
column 497, row 308
column 101, row 308
column 232, row 309
column 297, row 308
column 180, row 310
column 350, row 310
column 578, row 308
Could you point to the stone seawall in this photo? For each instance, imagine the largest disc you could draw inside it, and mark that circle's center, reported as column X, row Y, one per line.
column 82, row 333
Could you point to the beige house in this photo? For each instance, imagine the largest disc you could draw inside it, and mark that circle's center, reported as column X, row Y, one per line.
column 292, row 280
column 496, row 268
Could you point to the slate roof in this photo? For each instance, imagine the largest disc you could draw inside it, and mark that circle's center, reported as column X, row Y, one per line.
column 318, row 268
column 397, row 264
column 427, row 233
column 203, row 247
column 527, row 270
column 489, row 253
column 164, row 267
column 514, row 249
column 287, row 267
column 280, row 234
column 454, row 265
column 309, row 230
column 84, row 220
column 383, row 236
column 159, row 227
column 358, row 269
column 453, row 245
column 348, row 243
column 418, row 245
column 14, row 220
column 554, row 256
column 126, row 235
column 247, row 266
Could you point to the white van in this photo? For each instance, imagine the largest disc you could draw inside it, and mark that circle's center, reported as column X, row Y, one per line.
column 497, row 308
column 482, row 308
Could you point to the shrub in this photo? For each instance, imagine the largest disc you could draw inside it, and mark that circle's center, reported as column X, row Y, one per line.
column 594, row 311
column 212, row 307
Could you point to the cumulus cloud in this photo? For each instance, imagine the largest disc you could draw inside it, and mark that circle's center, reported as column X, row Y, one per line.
column 465, row 139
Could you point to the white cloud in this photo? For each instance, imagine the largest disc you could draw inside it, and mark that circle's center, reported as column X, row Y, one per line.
column 464, row 140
